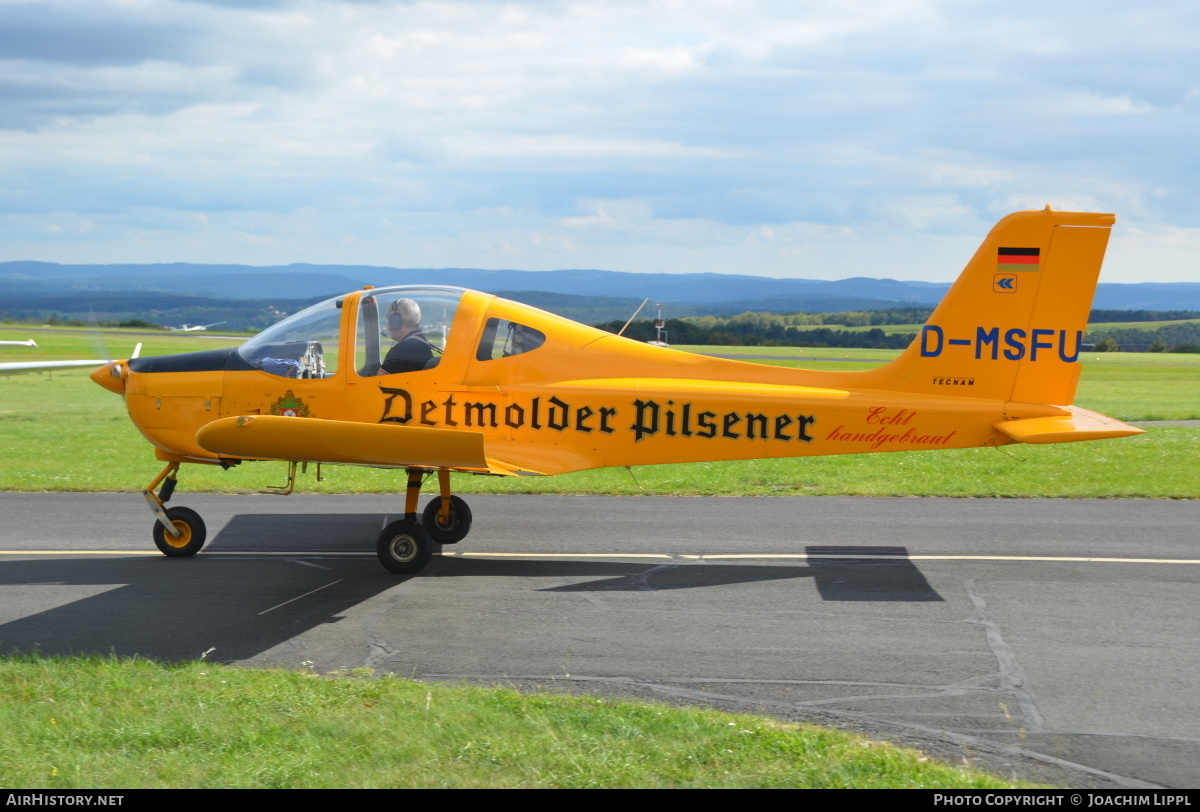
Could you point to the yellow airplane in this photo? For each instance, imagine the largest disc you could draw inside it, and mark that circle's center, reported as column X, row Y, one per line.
column 440, row 379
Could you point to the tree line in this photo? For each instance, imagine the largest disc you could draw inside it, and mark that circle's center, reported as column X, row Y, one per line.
column 752, row 333
column 817, row 330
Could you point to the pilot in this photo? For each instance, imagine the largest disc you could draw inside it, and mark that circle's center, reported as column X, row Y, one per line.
column 411, row 352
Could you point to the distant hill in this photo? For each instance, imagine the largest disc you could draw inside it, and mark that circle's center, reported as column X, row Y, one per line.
column 302, row 280
column 610, row 291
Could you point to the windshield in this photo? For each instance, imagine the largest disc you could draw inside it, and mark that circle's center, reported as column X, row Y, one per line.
column 304, row 345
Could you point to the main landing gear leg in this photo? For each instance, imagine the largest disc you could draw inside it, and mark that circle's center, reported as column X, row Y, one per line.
column 403, row 546
column 178, row 532
column 406, row 545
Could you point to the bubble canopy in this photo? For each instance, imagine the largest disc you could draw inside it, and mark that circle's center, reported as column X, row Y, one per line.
column 306, row 344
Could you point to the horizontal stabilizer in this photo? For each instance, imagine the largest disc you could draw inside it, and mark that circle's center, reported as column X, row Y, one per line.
column 303, row 439
column 1068, row 428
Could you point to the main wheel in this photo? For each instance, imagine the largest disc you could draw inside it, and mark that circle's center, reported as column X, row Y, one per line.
column 404, row 547
column 456, row 529
column 192, row 533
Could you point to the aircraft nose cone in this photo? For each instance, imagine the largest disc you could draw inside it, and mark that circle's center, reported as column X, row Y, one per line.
column 111, row 377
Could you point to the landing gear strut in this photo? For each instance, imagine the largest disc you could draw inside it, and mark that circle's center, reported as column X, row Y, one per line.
column 405, row 546
column 447, row 518
column 179, row 532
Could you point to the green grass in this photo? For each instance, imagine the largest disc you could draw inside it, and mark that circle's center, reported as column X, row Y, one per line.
column 1142, row 386
column 102, row 723
column 851, row 359
column 67, row 434
column 63, row 343
column 1124, row 385
column 793, row 352
column 1159, row 464
column 1100, row 327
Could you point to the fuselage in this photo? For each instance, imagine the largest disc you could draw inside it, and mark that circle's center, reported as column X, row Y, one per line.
column 549, row 395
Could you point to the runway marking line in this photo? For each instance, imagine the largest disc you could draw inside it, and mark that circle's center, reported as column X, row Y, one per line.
column 298, row 597
column 843, row 557
column 689, row 556
column 1081, row 559
column 78, row 552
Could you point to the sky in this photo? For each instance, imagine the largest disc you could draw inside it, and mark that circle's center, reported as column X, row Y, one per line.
column 818, row 140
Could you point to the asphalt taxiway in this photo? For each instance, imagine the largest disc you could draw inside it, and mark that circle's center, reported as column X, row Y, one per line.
column 1058, row 640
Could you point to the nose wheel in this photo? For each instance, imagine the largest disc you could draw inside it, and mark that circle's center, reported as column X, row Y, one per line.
column 178, row 532
column 190, row 527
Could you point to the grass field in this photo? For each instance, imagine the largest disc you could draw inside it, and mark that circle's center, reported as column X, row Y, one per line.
column 97, row 723
column 1124, row 385
column 1136, row 325
column 93, row 723
column 57, row 344
column 61, row 432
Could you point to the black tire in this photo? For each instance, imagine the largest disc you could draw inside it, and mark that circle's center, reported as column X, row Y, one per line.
column 192, row 533
column 460, row 520
column 404, row 547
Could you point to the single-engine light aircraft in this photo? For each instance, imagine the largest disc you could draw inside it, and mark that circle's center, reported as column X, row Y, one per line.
column 439, row 379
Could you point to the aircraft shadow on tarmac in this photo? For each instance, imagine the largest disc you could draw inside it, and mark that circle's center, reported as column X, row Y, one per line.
column 173, row 610
column 846, row 579
column 891, row 578
column 177, row 609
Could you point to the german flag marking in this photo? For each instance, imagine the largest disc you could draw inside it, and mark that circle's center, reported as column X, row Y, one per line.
column 1018, row 259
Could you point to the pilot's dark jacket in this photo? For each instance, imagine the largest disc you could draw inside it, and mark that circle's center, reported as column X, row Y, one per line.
column 410, row 354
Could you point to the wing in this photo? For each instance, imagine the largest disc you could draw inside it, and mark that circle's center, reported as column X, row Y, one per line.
column 376, row 444
column 18, row 367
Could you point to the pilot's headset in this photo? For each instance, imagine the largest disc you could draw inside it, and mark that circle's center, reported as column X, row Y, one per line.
column 395, row 322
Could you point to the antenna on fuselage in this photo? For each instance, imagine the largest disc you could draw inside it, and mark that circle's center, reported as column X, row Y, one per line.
column 634, row 316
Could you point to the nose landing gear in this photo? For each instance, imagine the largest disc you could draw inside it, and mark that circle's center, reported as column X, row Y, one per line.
column 192, row 533
column 179, row 532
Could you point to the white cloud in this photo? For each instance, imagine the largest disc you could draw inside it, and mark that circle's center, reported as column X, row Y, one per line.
column 637, row 136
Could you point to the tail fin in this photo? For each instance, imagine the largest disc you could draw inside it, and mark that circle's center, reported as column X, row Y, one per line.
column 1010, row 328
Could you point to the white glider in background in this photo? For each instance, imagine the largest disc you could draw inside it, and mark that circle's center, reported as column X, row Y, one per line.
column 192, row 328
